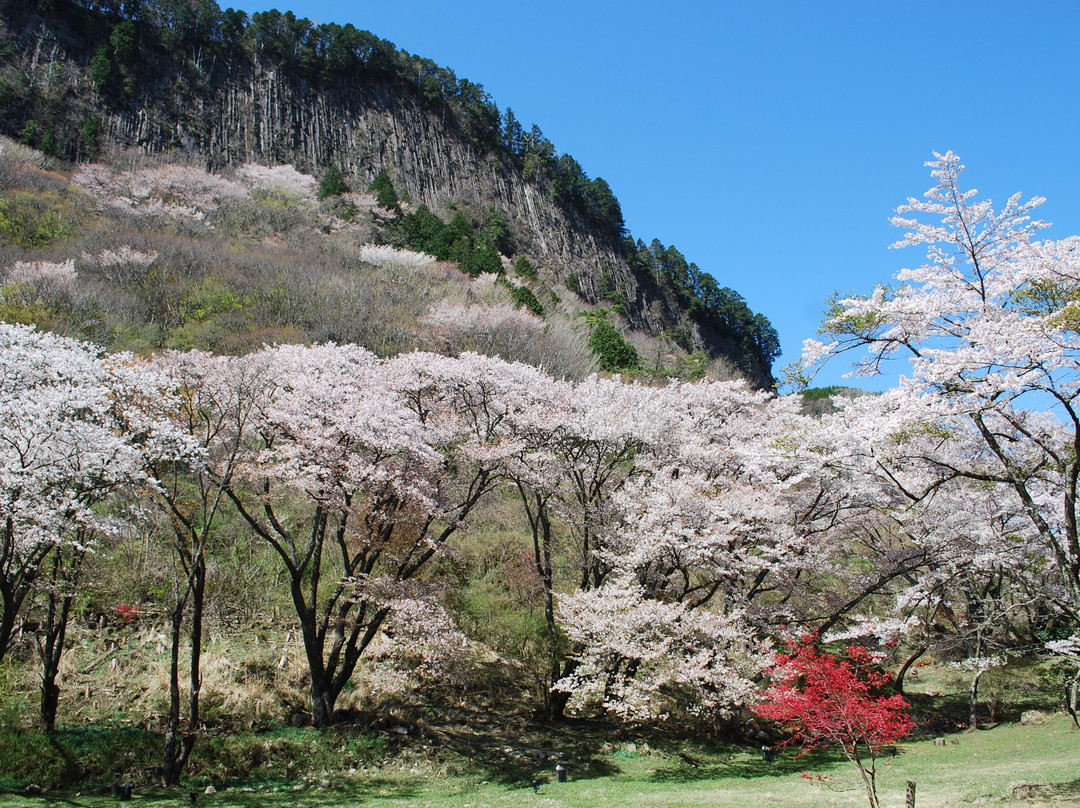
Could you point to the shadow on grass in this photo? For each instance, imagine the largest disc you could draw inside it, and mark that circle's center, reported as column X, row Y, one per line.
column 71, row 770
column 368, row 792
column 938, row 715
column 1045, row 790
column 746, row 766
column 47, row 801
column 949, row 714
column 515, row 750
column 72, row 757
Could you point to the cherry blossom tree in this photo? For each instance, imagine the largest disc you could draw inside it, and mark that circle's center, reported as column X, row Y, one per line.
column 205, row 409
column 63, row 451
column 706, row 530
column 982, row 597
column 172, row 191
column 42, row 273
column 379, row 464
column 495, row 330
column 741, row 514
column 639, row 656
column 611, row 424
column 580, row 448
column 990, row 324
column 123, row 267
column 382, row 254
column 1069, row 649
column 338, row 453
column 423, row 647
column 283, row 181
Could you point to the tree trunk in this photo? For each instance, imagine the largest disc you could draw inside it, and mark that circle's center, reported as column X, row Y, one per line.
column 899, row 683
column 51, row 650
column 322, row 700
column 179, row 745
column 322, row 703
column 1072, row 696
column 973, row 702
column 170, row 773
column 187, row 742
column 330, row 673
column 536, row 510
column 556, row 701
column 16, row 581
column 560, row 698
column 868, row 775
column 66, row 569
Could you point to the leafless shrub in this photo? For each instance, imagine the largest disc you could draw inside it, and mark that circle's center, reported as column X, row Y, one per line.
column 494, row 330
column 563, row 349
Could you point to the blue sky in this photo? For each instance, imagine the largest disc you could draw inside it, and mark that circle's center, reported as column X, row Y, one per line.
column 771, row 141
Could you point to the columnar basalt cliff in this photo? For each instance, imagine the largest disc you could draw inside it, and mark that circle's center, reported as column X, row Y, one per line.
column 103, row 84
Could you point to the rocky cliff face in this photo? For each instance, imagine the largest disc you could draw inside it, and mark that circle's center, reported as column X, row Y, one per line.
column 247, row 110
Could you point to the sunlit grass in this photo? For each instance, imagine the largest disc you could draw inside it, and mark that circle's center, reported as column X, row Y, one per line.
column 980, row 768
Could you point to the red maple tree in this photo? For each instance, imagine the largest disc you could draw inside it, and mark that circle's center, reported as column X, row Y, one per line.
column 824, row 700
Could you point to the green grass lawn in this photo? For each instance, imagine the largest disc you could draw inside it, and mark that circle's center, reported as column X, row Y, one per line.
column 980, row 768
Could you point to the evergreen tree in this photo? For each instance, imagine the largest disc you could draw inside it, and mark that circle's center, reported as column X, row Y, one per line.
column 333, row 184
column 385, row 195
column 513, row 134
column 606, row 208
column 613, row 351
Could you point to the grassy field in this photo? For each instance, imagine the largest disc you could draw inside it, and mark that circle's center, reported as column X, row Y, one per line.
column 483, row 753
column 980, row 768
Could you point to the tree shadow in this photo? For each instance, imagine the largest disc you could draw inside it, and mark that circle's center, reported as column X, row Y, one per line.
column 743, row 764
column 1027, row 791
column 369, row 791
column 518, row 749
column 72, row 771
column 366, row 792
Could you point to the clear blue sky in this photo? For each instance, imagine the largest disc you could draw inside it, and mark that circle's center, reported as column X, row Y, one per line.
column 771, row 141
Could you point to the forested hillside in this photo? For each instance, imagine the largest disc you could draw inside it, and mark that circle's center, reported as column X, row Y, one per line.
column 190, row 83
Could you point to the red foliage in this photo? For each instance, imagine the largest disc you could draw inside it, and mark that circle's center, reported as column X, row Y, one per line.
column 824, row 700
column 129, row 614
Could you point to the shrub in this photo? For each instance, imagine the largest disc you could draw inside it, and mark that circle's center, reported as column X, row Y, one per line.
column 613, row 351
column 35, row 220
column 523, row 297
column 73, row 756
column 524, row 268
column 28, row 134
column 19, row 303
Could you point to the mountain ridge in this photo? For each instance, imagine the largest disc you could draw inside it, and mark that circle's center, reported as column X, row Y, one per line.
column 223, row 89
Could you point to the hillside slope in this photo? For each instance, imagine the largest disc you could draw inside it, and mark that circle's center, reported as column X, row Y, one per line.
column 192, row 83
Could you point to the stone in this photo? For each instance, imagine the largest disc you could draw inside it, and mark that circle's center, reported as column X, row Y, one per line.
column 1030, row 717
